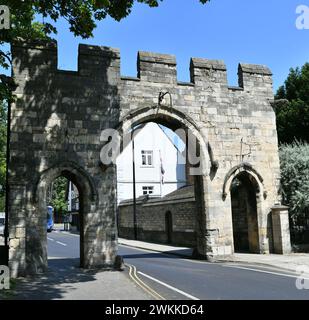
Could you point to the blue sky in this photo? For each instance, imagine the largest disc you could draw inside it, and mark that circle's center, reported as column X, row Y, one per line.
column 261, row 32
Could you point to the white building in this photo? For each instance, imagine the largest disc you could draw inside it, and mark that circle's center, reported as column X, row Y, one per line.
column 159, row 164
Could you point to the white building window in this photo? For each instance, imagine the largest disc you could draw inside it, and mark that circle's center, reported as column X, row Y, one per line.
column 147, row 158
column 147, row 190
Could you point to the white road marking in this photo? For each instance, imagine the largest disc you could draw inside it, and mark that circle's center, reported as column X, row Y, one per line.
column 50, row 239
column 264, row 271
column 169, row 287
column 63, row 244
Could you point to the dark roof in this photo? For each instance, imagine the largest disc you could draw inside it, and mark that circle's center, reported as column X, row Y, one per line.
column 186, row 192
column 183, row 192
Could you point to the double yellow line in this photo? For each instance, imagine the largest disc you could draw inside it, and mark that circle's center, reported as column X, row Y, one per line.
column 140, row 283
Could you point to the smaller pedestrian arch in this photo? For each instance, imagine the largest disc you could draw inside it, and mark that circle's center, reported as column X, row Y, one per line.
column 36, row 242
column 246, row 190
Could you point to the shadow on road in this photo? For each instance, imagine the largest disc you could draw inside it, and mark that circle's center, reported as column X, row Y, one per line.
column 62, row 276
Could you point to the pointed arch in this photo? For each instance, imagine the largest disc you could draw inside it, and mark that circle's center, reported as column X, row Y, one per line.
column 71, row 171
column 174, row 119
column 243, row 167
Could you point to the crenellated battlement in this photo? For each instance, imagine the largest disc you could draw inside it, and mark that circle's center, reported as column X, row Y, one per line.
column 155, row 67
column 252, row 76
column 94, row 60
column 209, row 72
column 101, row 62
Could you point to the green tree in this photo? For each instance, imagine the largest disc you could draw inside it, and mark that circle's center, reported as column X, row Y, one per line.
column 294, row 162
column 57, row 195
column 292, row 106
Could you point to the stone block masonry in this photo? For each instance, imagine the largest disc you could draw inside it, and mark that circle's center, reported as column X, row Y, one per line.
column 153, row 223
column 58, row 117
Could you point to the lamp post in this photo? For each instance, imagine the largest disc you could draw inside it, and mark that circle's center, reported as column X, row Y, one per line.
column 134, row 189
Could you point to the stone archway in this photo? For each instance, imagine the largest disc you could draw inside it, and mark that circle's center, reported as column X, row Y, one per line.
column 174, row 119
column 36, row 241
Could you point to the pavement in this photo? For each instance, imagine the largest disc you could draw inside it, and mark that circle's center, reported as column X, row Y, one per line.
column 71, row 283
column 66, row 281
column 288, row 262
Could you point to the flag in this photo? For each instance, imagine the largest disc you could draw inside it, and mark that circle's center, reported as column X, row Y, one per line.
column 162, row 171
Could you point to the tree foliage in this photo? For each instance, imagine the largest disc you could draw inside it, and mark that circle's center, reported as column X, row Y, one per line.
column 292, row 106
column 82, row 15
column 57, row 195
column 294, row 161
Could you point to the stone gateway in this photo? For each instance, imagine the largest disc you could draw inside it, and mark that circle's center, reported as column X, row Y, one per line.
column 56, row 124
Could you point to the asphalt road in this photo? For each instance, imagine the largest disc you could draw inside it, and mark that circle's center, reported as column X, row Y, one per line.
column 62, row 245
column 184, row 279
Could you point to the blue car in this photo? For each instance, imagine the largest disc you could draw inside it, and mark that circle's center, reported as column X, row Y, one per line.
column 50, row 219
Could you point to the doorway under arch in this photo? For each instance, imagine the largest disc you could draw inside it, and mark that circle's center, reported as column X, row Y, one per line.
column 244, row 201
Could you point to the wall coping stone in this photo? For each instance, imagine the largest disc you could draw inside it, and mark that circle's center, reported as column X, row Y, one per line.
column 160, row 58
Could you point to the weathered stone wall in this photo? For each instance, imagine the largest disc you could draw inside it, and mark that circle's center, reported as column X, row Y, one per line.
column 56, row 124
column 151, row 224
column 55, row 129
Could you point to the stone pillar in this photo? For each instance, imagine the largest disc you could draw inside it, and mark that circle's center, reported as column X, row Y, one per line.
column 281, row 229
